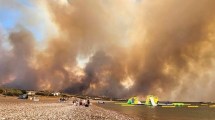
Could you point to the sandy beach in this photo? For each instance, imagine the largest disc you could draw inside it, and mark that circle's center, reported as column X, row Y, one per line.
column 49, row 108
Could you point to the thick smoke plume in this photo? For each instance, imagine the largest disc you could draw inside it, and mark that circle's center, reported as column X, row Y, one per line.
column 130, row 47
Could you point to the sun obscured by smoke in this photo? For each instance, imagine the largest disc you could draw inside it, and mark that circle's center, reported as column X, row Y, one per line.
column 117, row 49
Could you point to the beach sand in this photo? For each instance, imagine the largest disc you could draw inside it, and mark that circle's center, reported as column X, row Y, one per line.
column 49, row 108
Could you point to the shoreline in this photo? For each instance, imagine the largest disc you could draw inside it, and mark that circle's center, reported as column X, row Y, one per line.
column 118, row 112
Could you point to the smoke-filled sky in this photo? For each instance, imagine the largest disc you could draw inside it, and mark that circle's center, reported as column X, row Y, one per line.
column 115, row 48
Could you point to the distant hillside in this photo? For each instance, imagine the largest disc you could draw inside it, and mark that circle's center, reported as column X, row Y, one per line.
column 12, row 91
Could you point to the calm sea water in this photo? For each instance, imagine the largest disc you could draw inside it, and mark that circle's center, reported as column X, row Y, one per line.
column 160, row 113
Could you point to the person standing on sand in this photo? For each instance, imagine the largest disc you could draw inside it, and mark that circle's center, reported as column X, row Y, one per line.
column 88, row 103
column 84, row 102
column 80, row 102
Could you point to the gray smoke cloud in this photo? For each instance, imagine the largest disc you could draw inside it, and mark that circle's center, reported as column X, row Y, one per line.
column 15, row 63
column 133, row 48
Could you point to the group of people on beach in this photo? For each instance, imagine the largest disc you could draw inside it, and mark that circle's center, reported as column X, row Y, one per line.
column 63, row 99
column 80, row 102
column 76, row 101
